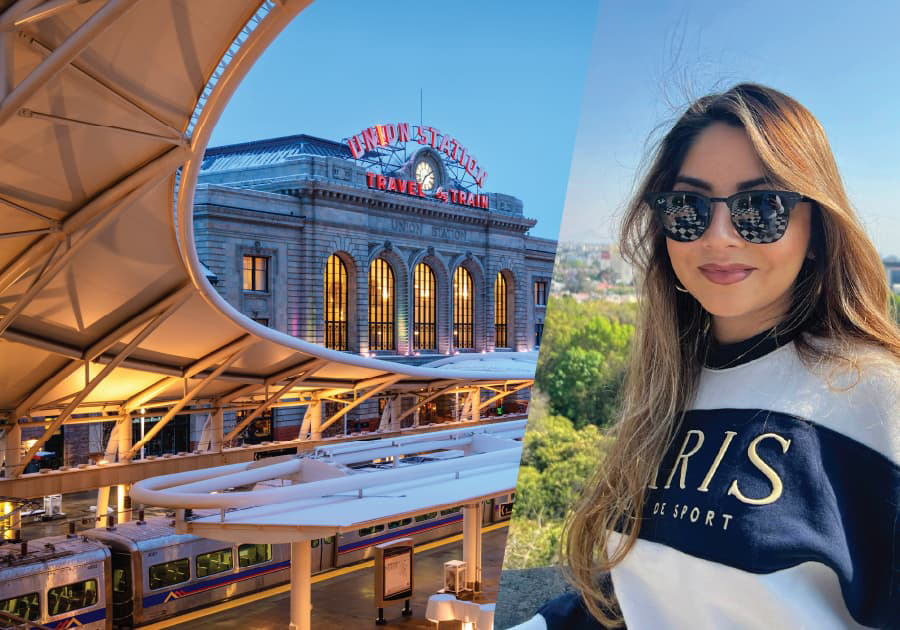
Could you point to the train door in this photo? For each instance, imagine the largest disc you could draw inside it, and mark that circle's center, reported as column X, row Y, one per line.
column 329, row 552
column 315, row 564
column 122, row 591
column 322, row 554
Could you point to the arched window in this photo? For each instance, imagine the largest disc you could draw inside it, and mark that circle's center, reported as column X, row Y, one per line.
column 501, row 339
column 463, row 296
column 381, row 305
column 336, row 304
column 424, row 319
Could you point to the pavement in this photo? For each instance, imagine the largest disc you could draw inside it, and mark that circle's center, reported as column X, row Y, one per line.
column 346, row 602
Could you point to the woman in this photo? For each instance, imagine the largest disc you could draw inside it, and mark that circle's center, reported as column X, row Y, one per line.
column 754, row 481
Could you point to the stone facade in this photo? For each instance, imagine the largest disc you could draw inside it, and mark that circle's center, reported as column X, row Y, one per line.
column 296, row 201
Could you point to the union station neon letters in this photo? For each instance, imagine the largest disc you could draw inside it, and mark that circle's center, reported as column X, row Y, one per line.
column 398, row 133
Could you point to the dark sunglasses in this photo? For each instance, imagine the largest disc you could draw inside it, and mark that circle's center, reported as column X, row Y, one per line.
column 759, row 216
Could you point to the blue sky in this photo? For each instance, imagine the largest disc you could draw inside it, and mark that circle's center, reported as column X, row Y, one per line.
column 504, row 78
column 839, row 59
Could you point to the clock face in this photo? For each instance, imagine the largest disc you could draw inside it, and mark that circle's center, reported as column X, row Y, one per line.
column 425, row 174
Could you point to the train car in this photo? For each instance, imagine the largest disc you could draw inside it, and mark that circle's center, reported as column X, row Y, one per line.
column 157, row 573
column 139, row 572
column 59, row 582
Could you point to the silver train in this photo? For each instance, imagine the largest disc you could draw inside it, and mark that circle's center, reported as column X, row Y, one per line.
column 142, row 571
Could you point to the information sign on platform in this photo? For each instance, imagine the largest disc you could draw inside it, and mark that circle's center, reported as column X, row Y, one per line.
column 393, row 575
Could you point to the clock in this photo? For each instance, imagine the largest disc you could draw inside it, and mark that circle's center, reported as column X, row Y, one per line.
column 426, row 172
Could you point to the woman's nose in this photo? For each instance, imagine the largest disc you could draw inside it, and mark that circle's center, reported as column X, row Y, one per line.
column 721, row 230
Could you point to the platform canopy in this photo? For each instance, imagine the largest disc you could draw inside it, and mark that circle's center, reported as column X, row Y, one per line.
column 299, row 498
column 106, row 108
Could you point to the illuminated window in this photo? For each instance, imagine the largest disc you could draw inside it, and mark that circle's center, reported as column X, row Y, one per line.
column 540, row 292
column 462, row 308
column 336, row 304
column 500, row 336
column 424, row 320
column 24, row 606
column 214, row 562
column 251, row 554
column 256, row 273
column 381, row 306
column 63, row 599
column 169, row 573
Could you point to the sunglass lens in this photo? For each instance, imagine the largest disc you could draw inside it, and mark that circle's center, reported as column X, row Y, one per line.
column 760, row 217
column 683, row 216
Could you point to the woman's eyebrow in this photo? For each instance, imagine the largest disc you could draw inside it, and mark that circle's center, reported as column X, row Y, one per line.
column 693, row 181
column 752, row 183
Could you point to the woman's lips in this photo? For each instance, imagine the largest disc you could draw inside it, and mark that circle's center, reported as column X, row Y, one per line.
column 726, row 274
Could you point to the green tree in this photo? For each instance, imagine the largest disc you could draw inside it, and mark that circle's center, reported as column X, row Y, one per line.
column 582, row 360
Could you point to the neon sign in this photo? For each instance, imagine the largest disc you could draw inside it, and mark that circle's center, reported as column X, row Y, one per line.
column 399, row 133
column 414, row 189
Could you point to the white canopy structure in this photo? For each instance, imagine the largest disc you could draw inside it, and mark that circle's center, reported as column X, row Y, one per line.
column 106, row 108
column 323, row 497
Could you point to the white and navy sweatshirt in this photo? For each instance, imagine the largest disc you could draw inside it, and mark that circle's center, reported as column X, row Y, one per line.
column 777, row 506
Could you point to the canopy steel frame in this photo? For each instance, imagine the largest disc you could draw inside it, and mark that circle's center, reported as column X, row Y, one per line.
column 272, row 400
column 62, row 56
column 188, row 397
column 57, row 422
column 353, row 405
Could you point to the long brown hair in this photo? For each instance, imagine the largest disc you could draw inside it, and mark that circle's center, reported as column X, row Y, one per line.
column 840, row 294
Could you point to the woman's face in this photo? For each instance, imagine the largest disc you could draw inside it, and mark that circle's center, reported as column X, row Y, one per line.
column 746, row 287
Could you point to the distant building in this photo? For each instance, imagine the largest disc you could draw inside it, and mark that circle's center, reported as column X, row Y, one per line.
column 401, row 260
column 385, row 244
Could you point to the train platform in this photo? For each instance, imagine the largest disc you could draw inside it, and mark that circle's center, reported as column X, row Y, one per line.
column 343, row 599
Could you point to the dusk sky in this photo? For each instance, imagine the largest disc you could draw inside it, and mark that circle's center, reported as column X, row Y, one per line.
column 506, row 79
column 839, row 59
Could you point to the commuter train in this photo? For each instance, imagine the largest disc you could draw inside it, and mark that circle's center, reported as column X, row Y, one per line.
column 142, row 571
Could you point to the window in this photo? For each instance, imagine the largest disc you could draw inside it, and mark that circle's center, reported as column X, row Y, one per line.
column 336, row 304
column 248, row 555
column 540, row 292
column 261, row 320
column 368, row 531
column 424, row 320
column 425, row 517
column 500, row 336
column 214, row 562
column 381, row 305
column 256, row 273
column 538, row 333
column 400, row 523
column 450, row 511
column 462, row 308
column 63, row 599
column 24, row 606
column 169, row 573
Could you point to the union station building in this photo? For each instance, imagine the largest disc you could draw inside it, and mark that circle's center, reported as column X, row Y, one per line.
column 384, row 244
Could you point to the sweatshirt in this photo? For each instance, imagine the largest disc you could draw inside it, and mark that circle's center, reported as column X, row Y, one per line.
column 776, row 505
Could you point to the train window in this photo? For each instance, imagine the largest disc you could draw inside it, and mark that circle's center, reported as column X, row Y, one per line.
column 329, row 540
column 169, row 573
column 248, row 555
column 450, row 511
column 425, row 517
column 315, row 543
column 400, row 523
column 368, row 531
column 63, row 599
column 24, row 606
column 214, row 562
column 120, row 580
